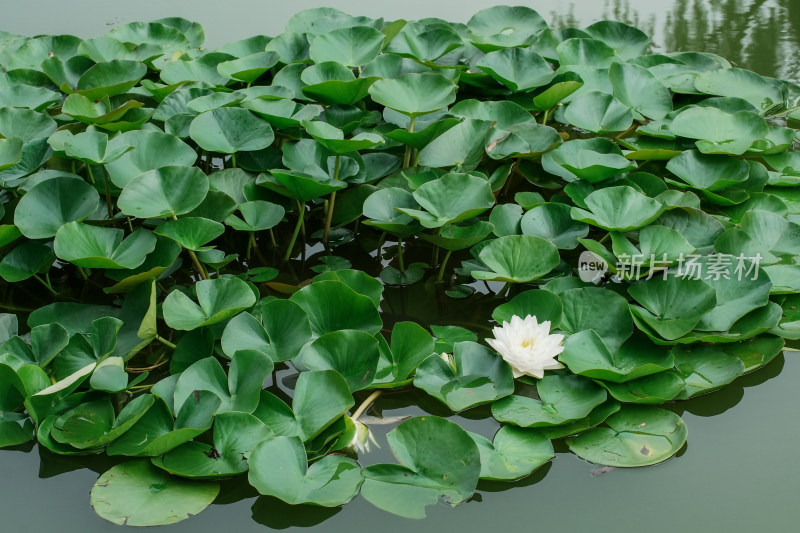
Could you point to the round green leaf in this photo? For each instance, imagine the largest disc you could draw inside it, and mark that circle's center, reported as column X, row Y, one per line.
column 620, row 208
column 53, row 203
column 320, row 398
column 231, row 129
column 513, row 454
column 151, row 150
column 519, row 69
column 279, row 468
column 352, row 47
column 553, row 222
column 351, row 353
column 473, row 375
column 414, row 94
column 599, row 113
column 640, row 90
column 636, row 436
column 333, row 306
column 437, row 458
column 138, row 494
column 218, row 299
column 517, row 259
column 96, row 247
column 672, row 306
column 168, row 191
column 563, row 399
column 719, row 132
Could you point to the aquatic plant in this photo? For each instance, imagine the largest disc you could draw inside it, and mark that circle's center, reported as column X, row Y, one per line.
column 156, row 195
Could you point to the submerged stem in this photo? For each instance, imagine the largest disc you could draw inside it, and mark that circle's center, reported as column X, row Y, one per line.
column 46, row 285
column 365, row 404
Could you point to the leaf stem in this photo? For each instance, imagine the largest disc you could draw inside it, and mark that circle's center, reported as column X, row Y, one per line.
column 407, row 158
column 165, row 342
column 46, row 285
column 301, row 209
column 400, row 254
column 195, row 260
column 440, row 278
column 365, row 404
column 544, row 118
column 329, row 214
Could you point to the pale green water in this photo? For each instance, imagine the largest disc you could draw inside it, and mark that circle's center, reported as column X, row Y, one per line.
column 739, row 472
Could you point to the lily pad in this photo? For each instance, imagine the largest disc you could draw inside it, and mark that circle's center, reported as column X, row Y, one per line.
column 218, row 300
column 563, row 399
column 438, row 459
column 635, row 436
column 138, row 494
column 620, row 208
column 513, row 453
column 279, row 467
column 473, row 375
column 517, row 259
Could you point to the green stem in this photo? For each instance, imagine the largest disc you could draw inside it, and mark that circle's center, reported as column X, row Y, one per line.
column 109, row 205
column 195, row 260
column 329, row 214
column 46, row 285
column 233, row 160
column 407, row 159
column 301, row 209
column 251, row 243
column 91, row 176
column 400, row 254
column 604, row 239
column 365, row 404
column 544, row 118
column 82, row 273
column 444, row 264
column 165, row 342
column 272, row 238
column 504, row 290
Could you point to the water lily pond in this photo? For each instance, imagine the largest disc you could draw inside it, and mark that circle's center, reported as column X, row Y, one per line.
column 382, row 269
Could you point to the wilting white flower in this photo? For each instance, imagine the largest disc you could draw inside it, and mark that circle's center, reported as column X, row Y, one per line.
column 362, row 439
column 527, row 346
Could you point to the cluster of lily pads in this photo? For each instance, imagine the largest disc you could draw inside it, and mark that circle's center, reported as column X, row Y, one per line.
column 156, row 195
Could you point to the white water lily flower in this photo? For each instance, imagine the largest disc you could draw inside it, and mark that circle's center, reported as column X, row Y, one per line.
column 527, row 346
column 362, row 439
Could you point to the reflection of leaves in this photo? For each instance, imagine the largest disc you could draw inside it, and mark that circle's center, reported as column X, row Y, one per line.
column 276, row 514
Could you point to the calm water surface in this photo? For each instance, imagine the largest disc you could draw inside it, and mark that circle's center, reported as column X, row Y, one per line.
column 739, row 471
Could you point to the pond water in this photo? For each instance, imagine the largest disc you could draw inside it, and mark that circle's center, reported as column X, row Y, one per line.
column 738, row 471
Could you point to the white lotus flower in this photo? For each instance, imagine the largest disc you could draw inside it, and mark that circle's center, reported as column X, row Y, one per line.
column 527, row 346
column 362, row 439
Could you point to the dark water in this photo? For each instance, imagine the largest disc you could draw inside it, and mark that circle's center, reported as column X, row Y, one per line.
column 739, row 471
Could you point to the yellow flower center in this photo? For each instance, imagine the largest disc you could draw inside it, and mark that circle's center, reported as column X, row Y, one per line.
column 527, row 343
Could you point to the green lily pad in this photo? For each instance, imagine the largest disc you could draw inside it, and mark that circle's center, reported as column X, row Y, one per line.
column 51, row 204
column 333, row 306
column 519, row 69
column 635, row 436
column 705, row 368
column 586, row 354
column 279, row 468
column 414, row 94
column 513, row 453
column 351, row 353
column 138, row 494
column 235, row 436
column 25, row 261
column 553, row 222
column 564, row 399
column 321, row 397
column 460, row 146
column 653, row 389
column 248, row 68
column 620, row 208
column 94, row 424
column 504, row 27
column 110, row 78
column 672, row 306
column 719, row 132
column 544, row 305
column 640, row 90
column 708, row 172
column 599, row 113
column 168, row 191
column 471, row 376
column 764, row 94
column 218, row 300
column 592, row 160
column 192, row 233
column 231, row 129
column 438, row 459
column 151, row 150
column 352, row 47
column 517, row 259
column 452, row 198
column 96, row 247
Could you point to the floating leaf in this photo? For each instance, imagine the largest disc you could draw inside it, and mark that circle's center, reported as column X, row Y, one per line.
column 517, row 259
column 218, row 300
column 513, row 453
column 138, row 494
column 636, row 436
